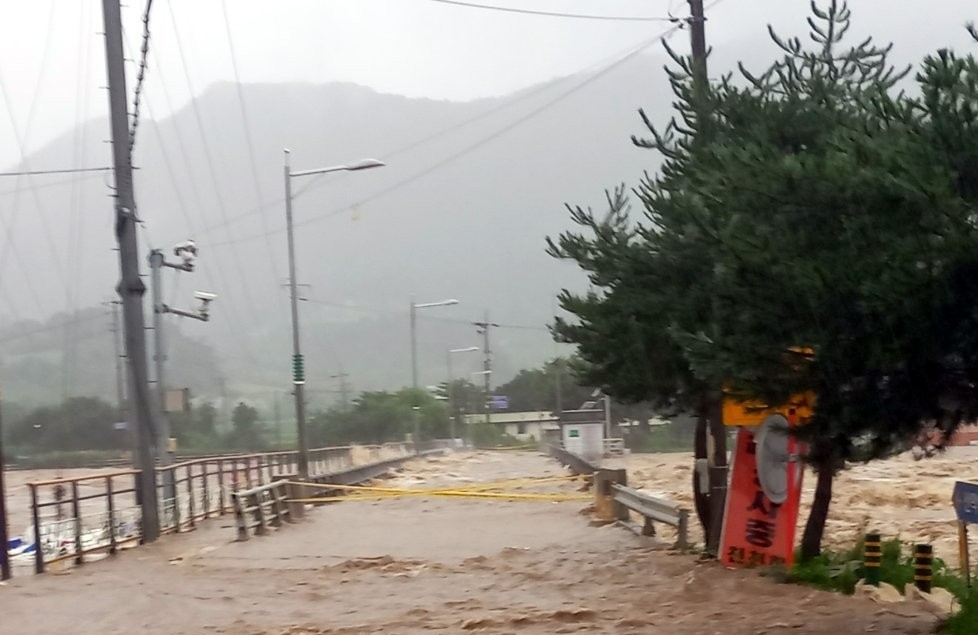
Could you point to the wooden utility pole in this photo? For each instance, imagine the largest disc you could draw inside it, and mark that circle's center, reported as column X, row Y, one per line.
column 131, row 287
column 717, row 449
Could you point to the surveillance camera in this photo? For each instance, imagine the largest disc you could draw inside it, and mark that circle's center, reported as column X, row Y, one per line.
column 187, row 250
column 205, row 296
column 205, row 300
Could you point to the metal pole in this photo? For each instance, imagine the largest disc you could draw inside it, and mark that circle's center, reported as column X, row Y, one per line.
column 4, row 554
column 120, row 384
column 487, row 366
column 450, row 394
column 131, row 287
column 163, row 454
column 298, row 372
column 414, row 378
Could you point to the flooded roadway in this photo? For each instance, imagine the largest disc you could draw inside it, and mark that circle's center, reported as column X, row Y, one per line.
column 421, row 565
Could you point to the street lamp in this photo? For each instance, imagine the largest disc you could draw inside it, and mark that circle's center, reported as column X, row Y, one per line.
column 414, row 358
column 452, row 408
column 298, row 371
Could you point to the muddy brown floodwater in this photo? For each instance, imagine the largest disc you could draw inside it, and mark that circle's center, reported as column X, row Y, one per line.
column 423, row 564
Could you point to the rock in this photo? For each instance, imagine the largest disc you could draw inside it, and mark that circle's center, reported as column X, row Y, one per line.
column 883, row 593
column 940, row 601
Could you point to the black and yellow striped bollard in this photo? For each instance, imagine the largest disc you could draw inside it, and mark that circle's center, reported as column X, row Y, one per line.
column 923, row 566
column 872, row 556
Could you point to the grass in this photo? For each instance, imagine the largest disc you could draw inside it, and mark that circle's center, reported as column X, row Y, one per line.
column 840, row 571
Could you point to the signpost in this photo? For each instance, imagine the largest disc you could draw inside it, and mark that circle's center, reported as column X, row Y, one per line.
column 965, row 500
column 499, row 402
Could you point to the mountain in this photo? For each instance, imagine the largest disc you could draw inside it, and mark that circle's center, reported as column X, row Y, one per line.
column 463, row 215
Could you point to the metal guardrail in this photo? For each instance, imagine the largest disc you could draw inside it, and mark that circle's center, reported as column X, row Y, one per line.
column 73, row 518
column 653, row 509
column 260, row 508
column 578, row 465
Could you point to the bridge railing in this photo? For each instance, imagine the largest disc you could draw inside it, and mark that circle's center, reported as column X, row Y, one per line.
column 72, row 519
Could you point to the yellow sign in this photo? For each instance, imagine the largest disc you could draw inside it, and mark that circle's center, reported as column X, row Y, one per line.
column 753, row 413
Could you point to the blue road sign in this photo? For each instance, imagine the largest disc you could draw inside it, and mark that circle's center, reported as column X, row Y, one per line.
column 499, row 402
column 965, row 499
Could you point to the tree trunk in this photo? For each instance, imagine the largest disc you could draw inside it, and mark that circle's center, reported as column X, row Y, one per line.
column 718, row 475
column 811, row 542
column 700, row 501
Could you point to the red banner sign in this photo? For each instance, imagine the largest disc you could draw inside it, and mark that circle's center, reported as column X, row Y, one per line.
column 757, row 532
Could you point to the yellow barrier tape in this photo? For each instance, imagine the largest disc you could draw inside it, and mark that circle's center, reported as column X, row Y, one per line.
column 475, row 487
column 484, row 495
column 513, row 448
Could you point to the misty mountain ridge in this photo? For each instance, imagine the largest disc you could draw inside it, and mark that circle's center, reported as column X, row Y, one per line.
column 461, row 211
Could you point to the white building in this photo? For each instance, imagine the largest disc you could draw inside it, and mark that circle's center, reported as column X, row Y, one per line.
column 521, row 425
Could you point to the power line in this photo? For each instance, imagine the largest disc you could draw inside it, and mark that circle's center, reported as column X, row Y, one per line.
column 485, row 140
column 59, row 171
column 369, row 309
column 140, row 76
column 248, row 139
column 556, row 14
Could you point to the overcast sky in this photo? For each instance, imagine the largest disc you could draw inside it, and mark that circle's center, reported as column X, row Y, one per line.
column 52, row 56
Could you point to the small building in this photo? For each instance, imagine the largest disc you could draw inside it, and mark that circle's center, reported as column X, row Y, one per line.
column 538, row 424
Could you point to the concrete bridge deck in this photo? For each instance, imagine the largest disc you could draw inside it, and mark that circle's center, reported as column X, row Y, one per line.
column 421, row 564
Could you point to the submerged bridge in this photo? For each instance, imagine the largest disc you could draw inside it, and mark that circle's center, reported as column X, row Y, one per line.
column 81, row 518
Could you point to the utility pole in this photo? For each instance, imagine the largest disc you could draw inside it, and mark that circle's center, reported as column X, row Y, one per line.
column 717, row 449
column 131, row 287
column 482, row 328
column 4, row 554
column 120, row 375
column 157, row 261
column 298, row 367
column 344, row 389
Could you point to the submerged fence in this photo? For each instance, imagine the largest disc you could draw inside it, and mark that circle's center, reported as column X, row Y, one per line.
column 76, row 518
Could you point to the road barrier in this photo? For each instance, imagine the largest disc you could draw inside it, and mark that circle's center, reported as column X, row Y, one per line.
column 614, row 501
column 261, row 508
column 575, row 463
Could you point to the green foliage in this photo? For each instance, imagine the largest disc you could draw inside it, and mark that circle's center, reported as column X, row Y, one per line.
column 80, row 423
column 965, row 622
column 808, row 205
column 380, row 417
column 674, row 437
column 840, row 571
column 196, row 429
column 246, row 433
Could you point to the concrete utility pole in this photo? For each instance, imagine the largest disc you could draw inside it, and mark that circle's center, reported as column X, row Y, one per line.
column 120, row 375
column 131, row 287
column 4, row 555
column 344, row 388
column 717, row 450
column 298, row 369
column 482, row 328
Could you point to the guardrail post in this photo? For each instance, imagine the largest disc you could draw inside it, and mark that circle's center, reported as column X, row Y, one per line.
column 205, row 502
column 238, row 503
column 220, row 485
column 190, row 498
column 76, row 512
column 110, row 508
column 605, row 506
column 36, row 518
column 682, row 531
column 294, row 491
